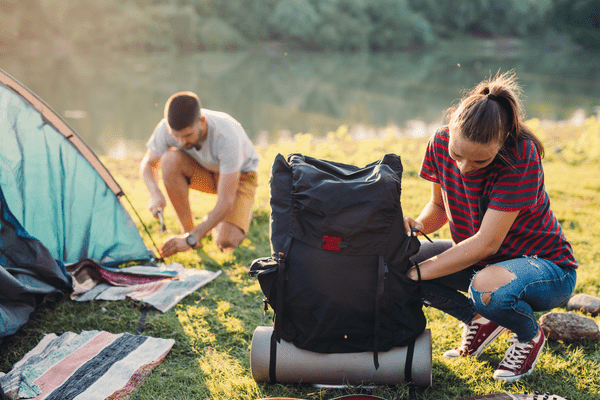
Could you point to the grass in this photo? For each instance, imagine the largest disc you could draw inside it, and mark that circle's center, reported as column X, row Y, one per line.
column 213, row 327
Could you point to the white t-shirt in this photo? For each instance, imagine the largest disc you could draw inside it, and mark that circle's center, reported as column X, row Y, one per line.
column 227, row 148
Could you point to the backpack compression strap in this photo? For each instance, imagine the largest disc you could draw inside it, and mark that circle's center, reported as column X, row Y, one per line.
column 410, row 349
column 381, row 273
column 273, row 360
column 282, row 270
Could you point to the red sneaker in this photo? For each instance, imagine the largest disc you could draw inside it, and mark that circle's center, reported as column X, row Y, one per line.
column 476, row 337
column 520, row 359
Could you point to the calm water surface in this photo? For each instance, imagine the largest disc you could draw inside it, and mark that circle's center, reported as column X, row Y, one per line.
column 114, row 101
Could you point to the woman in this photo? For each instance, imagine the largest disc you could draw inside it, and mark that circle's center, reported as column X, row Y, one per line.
column 508, row 250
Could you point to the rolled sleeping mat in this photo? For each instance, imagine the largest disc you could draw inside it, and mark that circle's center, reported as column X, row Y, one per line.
column 294, row 365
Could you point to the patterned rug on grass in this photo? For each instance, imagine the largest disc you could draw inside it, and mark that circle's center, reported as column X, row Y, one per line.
column 162, row 286
column 94, row 365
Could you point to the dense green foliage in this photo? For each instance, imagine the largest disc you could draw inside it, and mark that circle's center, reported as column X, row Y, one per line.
column 213, row 327
column 580, row 18
column 346, row 25
column 486, row 17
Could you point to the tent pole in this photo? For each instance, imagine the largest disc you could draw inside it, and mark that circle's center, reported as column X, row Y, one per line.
column 161, row 259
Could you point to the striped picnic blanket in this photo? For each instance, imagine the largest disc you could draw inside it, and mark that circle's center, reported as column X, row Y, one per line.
column 162, row 286
column 93, row 365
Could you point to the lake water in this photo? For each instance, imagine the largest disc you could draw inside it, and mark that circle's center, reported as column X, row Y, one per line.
column 114, row 100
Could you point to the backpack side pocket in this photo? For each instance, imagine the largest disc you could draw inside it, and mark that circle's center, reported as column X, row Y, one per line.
column 266, row 270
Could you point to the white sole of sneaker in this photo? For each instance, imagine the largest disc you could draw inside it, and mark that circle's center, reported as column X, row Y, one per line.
column 514, row 378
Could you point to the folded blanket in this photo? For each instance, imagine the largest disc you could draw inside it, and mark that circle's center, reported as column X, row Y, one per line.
column 94, row 365
column 161, row 286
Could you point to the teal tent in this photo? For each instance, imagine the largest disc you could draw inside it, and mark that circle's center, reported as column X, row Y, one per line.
column 58, row 204
column 57, row 188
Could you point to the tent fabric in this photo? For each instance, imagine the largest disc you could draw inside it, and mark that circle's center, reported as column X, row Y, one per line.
column 29, row 275
column 57, row 188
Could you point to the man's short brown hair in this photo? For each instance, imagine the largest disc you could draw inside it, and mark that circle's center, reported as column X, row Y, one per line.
column 182, row 110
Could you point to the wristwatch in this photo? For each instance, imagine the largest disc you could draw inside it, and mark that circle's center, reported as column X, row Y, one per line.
column 191, row 240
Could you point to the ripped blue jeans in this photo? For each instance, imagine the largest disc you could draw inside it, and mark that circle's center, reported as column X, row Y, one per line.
column 539, row 285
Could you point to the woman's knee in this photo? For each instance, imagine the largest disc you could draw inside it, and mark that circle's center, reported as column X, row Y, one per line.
column 490, row 279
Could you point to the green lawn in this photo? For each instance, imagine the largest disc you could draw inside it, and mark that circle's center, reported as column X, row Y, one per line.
column 213, row 327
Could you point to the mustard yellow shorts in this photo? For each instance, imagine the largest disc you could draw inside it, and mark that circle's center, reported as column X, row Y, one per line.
column 207, row 181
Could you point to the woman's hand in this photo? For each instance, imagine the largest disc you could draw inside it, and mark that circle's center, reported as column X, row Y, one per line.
column 412, row 273
column 409, row 224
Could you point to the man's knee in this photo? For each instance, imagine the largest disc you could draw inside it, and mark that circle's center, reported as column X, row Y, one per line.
column 228, row 236
column 171, row 162
column 226, row 244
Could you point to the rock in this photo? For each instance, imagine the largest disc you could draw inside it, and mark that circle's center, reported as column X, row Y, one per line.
column 584, row 302
column 569, row 326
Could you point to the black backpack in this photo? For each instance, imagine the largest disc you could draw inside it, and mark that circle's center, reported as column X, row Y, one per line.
column 336, row 278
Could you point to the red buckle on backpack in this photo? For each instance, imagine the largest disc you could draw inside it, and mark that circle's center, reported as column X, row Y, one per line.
column 331, row 243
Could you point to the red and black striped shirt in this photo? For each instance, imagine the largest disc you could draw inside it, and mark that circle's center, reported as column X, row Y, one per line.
column 513, row 181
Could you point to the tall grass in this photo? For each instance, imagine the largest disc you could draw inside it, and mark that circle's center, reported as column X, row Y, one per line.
column 213, row 327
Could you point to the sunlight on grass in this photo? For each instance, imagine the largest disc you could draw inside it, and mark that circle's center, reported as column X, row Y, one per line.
column 195, row 325
column 229, row 322
column 253, row 288
column 225, row 377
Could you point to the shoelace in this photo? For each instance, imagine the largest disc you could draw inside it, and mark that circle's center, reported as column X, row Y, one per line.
column 516, row 354
column 469, row 332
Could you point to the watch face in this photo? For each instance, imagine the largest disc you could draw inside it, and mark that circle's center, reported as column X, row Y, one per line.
column 191, row 240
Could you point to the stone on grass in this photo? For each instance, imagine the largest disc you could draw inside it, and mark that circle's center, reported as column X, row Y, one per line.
column 585, row 303
column 569, row 326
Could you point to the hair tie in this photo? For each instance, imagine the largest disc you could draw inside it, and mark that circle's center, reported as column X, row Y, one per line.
column 492, row 97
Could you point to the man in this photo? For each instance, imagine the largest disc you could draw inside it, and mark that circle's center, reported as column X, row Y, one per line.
column 207, row 151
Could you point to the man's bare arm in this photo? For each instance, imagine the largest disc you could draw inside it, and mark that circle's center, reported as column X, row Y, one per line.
column 149, row 167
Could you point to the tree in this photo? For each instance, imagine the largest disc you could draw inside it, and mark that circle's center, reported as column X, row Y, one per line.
column 296, row 20
column 580, row 19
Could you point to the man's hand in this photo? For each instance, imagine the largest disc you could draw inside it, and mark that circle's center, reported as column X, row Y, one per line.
column 174, row 245
column 157, row 203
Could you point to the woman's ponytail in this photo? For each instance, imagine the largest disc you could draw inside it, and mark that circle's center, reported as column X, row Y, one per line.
column 492, row 111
